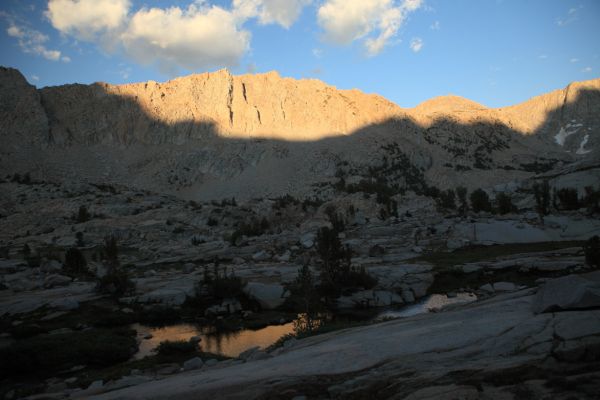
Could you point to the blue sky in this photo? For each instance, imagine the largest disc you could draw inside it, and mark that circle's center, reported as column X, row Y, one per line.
column 496, row 52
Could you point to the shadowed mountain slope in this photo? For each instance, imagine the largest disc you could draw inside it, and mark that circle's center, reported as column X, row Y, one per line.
column 214, row 134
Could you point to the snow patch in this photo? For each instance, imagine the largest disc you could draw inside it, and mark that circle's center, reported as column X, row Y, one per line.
column 581, row 150
column 562, row 135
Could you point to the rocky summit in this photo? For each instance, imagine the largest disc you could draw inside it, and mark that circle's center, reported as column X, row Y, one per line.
column 260, row 237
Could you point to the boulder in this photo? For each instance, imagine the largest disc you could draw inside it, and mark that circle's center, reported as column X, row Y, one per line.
column 167, row 297
column 261, row 256
column 307, row 240
column 487, row 288
column 194, row 363
column 571, row 292
column 268, row 295
column 56, row 280
column 504, row 287
column 51, row 266
column 65, row 304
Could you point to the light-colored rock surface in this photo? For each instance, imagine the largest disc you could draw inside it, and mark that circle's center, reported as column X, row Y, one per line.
column 502, row 332
column 572, row 292
column 269, row 296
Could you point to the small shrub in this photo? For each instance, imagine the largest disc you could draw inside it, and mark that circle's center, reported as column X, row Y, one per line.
column 504, row 203
column 541, row 192
column 461, row 193
column 592, row 199
column 176, row 347
column 212, row 221
column 26, row 251
column 75, row 262
column 569, row 200
column 116, row 282
column 480, row 201
column 80, row 242
column 447, row 200
column 83, row 215
column 337, row 220
column 254, row 227
column 592, row 251
column 221, row 285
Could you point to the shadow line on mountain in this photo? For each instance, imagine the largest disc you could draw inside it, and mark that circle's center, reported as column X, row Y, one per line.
column 121, row 121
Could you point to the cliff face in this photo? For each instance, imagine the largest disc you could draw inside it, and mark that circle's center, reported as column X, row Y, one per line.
column 219, row 133
column 22, row 118
column 247, row 106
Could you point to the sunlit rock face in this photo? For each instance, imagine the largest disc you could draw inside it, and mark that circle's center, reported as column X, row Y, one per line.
column 217, row 135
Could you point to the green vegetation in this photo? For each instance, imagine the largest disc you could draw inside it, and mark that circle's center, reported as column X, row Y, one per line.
column 115, row 282
column 83, row 215
column 336, row 270
column 504, row 204
column 541, row 192
column 253, row 227
column 220, row 285
column 176, row 347
column 480, row 201
column 75, row 262
column 592, row 251
column 568, row 198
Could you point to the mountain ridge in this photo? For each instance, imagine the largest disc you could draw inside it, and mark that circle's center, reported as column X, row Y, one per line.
column 219, row 133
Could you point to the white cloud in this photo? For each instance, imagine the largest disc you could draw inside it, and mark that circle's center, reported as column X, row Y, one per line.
column 35, row 78
column 32, row 42
column 435, row 26
column 416, row 44
column 65, row 59
column 87, row 19
column 574, row 60
column 318, row 53
column 587, row 69
column 282, row 12
column 374, row 21
column 196, row 38
column 543, row 56
column 569, row 18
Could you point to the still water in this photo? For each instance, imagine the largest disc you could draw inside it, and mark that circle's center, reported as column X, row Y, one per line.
column 231, row 344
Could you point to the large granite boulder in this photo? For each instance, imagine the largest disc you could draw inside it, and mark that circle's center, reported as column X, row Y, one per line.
column 268, row 295
column 571, row 292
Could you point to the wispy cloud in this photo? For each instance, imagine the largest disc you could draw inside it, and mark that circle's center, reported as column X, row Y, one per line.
column 416, row 44
column 574, row 60
column 587, row 69
column 31, row 41
column 35, row 78
column 543, row 56
column 435, row 26
column 318, row 53
column 570, row 17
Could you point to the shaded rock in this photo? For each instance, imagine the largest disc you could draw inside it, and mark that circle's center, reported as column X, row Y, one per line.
column 168, row 297
column 194, row 363
column 65, row 304
column 56, row 280
column 504, row 286
column 487, row 288
column 572, row 292
column 269, row 295
column 261, row 256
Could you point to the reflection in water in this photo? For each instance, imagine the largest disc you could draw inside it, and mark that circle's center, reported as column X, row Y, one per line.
column 435, row 302
column 229, row 344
